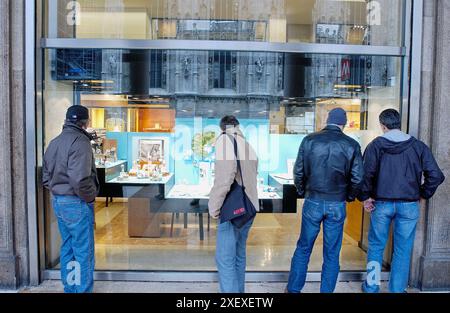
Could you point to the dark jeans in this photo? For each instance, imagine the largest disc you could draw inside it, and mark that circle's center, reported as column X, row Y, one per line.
column 77, row 258
column 332, row 214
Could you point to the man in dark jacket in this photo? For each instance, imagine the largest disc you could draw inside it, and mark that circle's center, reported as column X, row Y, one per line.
column 69, row 173
column 328, row 172
column 399, row 171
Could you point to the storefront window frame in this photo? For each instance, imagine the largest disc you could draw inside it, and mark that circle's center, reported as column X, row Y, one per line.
column 410, row 51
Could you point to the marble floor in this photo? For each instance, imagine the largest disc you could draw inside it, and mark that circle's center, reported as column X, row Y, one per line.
column 270, row 246
column 55, row 286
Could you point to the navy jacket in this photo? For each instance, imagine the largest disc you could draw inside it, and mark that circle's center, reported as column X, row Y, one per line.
column 402, row 171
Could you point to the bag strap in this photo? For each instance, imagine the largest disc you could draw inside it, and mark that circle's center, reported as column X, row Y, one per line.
column 237, row 157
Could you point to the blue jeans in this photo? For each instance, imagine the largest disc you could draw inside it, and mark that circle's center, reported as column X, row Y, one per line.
column 231, row 256
column 77, row 257
column 332, row 214
column 404, row 215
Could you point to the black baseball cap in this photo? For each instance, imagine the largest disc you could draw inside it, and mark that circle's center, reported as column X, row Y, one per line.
column 77, row 113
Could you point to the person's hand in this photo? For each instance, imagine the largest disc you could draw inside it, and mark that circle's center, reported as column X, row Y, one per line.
column 215, row 216
column 369, row 205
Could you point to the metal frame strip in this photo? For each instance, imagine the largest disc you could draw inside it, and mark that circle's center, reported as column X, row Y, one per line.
column 404, row 92
column 415, row 68
column 207, row 276
column 211, row 45
column 30, row 139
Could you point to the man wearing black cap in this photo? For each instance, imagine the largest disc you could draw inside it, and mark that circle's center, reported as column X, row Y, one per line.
column 328, row 172
column 69, row 173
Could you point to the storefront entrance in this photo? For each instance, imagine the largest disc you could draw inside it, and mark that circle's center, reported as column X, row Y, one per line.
column 155, row 102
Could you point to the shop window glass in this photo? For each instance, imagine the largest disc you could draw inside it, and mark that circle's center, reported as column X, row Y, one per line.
column 155, row 146
column 374, row 22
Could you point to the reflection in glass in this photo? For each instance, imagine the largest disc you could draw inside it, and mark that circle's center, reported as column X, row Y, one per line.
column 316, row 21
column 156, row 134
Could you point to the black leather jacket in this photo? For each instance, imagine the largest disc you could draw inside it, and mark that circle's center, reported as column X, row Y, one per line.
column 329, row 166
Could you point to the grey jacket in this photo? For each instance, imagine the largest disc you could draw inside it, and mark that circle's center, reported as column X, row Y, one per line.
column 69, row 165
column 226, row 170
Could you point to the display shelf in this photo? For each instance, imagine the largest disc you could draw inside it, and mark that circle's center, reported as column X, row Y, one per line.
column 111, row 164
column 202, row 192
column 282, row 179
column 140, row 181
column 288, row 191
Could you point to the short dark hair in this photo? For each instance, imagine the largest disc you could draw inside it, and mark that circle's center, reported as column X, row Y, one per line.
column 391, row 119
column 227, row 121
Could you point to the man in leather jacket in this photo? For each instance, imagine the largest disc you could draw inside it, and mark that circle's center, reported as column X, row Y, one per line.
column 327, row 173
column 70, row 174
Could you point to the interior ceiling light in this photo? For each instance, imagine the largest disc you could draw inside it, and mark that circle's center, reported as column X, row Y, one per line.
column 102, row 81
column 159, row 106
column 348, row 86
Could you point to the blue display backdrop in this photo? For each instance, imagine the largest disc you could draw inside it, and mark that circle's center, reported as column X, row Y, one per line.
column 273, row 150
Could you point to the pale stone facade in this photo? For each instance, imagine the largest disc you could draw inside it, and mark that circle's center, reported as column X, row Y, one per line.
column 13, row 211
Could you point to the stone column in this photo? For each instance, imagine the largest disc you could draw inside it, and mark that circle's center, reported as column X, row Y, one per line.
column 13, row 220
column 431, row 258
column 8, row 261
